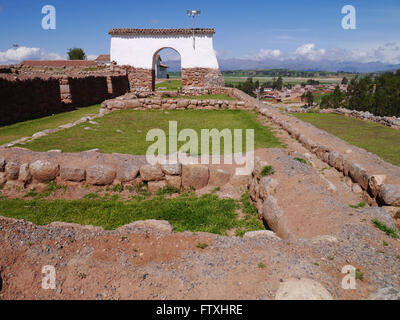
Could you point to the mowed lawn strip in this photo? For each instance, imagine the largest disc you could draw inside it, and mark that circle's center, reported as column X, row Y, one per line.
column 125, row 131
column 376, row 138
column 170, row 84
column 207, row 213
column 30, row 127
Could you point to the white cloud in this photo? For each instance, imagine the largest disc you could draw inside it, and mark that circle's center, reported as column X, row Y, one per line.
column 269, row 54
column 310, row 52
column 17, row 55
column 92, row 56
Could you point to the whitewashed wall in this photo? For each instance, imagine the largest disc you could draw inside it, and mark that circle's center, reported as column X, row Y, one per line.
column 139, row 50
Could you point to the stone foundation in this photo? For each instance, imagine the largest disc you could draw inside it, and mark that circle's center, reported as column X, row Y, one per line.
column 140, row 79
column 25, row 168
column 198, row 79
column 194, row 80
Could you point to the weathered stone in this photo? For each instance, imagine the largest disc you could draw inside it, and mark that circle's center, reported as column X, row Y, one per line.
column 356, row 188
column 195, row 176
column 261, row 234
column 240, row 180
column 218, row 177
column 155, row 186
column 388, row 293
column 157, row 226
column 151, row 173
column 258, row 167
column 174, row 181
column 70, row 173
column 43, row 170
column 267, row 186
column 303, row 289
column 375, row 183
column 172, row 169
column 359, row 175
column 273, row 215
column 24, row 173
column 100, row 175
column 2, row 164
column 378, row 214
column 389, row 195
column 3, row 179
column 127, row 172
column 324, row 238
column 12, row 170
column 394, row 212
column 335, row 160
column 132, row 104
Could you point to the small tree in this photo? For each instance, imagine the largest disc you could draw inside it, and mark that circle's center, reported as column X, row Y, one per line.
column 76, row 54
column 345, row 81
column 308, row 97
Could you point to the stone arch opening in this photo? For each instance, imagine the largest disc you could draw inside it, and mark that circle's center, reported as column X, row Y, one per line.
column 133, row 49
column 161, row 71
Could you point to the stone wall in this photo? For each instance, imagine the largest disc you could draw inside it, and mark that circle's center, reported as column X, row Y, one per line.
column 24, row 98
column 25, row 168
column 140, row 101
column 139, row 79
column 30, row 97
column 201, row 78
column 378, row 179
column 87, row 91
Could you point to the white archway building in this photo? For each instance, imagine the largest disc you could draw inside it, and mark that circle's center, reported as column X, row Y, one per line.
column 137, row 49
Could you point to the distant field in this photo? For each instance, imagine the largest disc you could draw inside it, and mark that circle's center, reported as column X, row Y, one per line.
column 291, row 80
column 373, row 137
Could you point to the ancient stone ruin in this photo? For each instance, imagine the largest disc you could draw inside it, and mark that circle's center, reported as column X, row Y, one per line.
column 136, row 49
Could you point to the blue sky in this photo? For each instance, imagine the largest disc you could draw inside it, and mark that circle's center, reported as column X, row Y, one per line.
column 244, row 29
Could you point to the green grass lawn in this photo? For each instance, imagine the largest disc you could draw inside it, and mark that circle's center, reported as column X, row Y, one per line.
column 207, row 213
column 134, row 126
column 28, row 128
column 172, row 84
column 373, row 137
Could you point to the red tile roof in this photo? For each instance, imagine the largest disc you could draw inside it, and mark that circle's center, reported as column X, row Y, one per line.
column 127, row 31
column 103, row 57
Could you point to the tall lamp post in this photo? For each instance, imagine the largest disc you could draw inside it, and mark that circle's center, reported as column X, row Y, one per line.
column 193, row 14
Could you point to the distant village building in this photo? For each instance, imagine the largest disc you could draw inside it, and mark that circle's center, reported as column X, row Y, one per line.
column 103, row 59
column 161, row 69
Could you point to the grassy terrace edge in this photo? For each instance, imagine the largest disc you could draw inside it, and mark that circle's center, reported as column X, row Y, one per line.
column 187, row 212
column 124, row 131
column 28, row 128
column 373, row 137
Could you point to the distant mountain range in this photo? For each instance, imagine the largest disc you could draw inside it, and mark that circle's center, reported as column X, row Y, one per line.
column 304, row 65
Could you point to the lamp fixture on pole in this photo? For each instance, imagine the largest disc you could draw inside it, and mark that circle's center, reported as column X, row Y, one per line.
column 193, row 14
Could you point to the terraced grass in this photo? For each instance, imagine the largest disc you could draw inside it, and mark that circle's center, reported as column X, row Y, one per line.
column 28, row 128
column 373, row 137
column 169, row 85
column 207, row 213
column 125, row 131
